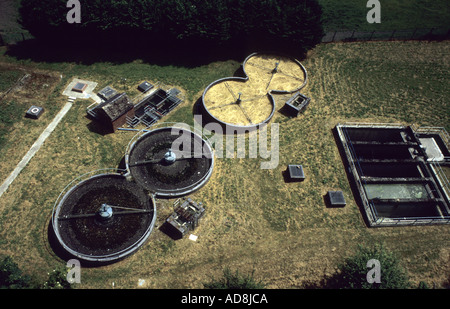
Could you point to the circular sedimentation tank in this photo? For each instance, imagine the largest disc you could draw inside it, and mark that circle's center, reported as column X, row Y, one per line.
column 170, row 161
column 246, row 103
column 104, row 218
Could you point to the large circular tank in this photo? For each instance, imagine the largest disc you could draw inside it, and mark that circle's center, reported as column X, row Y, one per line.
column 103, row 218
column 169, row 161
column 246, row 103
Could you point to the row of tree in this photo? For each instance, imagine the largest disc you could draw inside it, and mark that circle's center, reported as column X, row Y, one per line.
column 215, row 22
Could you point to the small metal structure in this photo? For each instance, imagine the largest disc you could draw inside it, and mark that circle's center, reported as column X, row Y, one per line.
column 185, row 217
column 296, row 104
column 145, row 87
column 155, row 106
column 336, row 198
column 34, row 112
column 105, row 212
column 296, row 173
column 79, row 87
column 107, row 93
column 170, row 157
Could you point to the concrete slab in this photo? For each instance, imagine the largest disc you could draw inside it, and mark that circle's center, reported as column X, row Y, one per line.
column 88, row 92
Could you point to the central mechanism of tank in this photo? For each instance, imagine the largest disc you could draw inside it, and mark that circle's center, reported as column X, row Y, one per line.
column 170, row 157
column 105, row 212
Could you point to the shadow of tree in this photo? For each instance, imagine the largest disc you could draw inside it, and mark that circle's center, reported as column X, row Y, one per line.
column 157, row 51
column 118, row 48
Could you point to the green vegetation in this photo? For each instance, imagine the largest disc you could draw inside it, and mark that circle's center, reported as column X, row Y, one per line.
column 57, row 280
column 235, row 280
column 11, row 114
column 12, row 277
column 194, row 23
column 395, row 14
column 352, row 274
column 7, row 79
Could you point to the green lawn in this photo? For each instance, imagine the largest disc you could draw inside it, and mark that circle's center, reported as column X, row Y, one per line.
column 395, row 14
column 11, row 110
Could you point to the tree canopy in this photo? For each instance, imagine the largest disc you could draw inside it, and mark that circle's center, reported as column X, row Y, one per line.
column 353, row 272
column 260, row 23
column 12, row 277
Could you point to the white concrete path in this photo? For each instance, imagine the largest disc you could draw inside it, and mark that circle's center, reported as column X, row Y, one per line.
column 36, row 146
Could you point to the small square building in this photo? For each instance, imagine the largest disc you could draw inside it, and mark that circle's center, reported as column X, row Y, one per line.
column 296, row 104
column 145, row 87
column 107, row 93
column 114, row 112
column 185, row 218
column 79, row 87
column 295, row 173
column 336, row 198
column 34, row 112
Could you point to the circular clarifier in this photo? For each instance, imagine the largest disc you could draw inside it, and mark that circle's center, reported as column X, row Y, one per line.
column 170, row 161
column 104, row 218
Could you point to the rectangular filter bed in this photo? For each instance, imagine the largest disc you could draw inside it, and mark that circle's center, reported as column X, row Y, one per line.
column 394, row 172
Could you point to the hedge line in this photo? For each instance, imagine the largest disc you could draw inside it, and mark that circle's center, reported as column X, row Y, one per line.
column 283, row 23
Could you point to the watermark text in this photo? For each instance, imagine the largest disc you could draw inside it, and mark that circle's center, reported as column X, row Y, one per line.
column 74, row 15
column 374, row 14
column 229, row 143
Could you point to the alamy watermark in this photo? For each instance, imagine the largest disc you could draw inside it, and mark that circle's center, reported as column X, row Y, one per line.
column 231, row 143
column 74, row 271
column 374, row 14
column 74, row 14
column 374, row 275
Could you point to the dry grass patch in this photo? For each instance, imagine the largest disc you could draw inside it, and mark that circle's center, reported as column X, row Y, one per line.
column 255, row 107
column 289, row 75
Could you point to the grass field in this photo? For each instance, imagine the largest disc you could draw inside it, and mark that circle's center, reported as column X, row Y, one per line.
column 395, row 14
column 254, row 220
